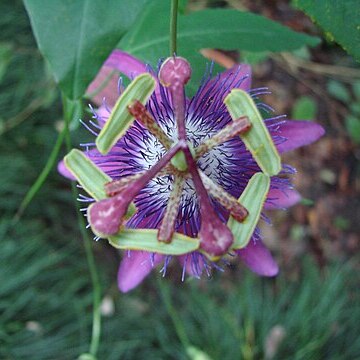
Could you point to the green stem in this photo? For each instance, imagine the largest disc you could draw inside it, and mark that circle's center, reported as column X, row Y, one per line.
column 96, row 321
column 178, row 325
column 42, row 177
column 173, row 26
column 69, row 109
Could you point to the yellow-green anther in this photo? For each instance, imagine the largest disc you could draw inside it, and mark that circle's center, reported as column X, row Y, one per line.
column 120, row 119
column 89, row 176
column 253, row 198
column 167, row 227
column 146, row 239
column 257, row 140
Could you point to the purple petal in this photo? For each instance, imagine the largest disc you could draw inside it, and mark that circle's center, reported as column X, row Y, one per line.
column 124, row 63
column 280, row 199
column 298, row 133
column 110, row 92
column 258, row 258
column 239, row 74
column 63, row 170
column 135, row 267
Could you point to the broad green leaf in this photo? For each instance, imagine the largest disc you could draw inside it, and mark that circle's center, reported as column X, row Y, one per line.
column 212, row 28
column 253, row 199
column 76, row 36
column 339, row 19
column 146, row 239
column 89, row 176
column 120, row 119
column 257, row 140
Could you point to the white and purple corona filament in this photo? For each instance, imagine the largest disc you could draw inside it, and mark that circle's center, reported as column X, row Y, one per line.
column 184, row 165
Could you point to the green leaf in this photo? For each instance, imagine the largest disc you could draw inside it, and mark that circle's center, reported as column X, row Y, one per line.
column 339, row 19
column 120, row 119
column 307, row 202
column 338, row 91
column 356, row 89
column 195, row 353
column 352, row 124
column 6, row 52
column 146, row 239
column 342, row 223
column 257, row 140
column 253, row 199
column 254, row 58
column 355, row 108
column 212, row 28
column 77, row 36
column 86, row 357
column 305, row 108
column 90, row 177
column 302, row 53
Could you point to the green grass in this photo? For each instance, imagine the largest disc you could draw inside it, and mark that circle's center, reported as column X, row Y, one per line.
column 45, row 280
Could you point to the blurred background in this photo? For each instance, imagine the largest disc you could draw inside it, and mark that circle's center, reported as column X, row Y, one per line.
column 310, row 311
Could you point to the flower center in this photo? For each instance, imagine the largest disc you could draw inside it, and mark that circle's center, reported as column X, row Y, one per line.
column 215, row 164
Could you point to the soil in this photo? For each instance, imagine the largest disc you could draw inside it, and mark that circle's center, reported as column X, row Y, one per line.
column 328, row 172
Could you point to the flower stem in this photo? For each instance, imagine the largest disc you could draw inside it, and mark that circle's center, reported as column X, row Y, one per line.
column 69, row 107
column 175, row 318
column 173, row 26
column 42, row 177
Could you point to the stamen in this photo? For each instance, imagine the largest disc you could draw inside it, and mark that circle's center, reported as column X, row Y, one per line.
column 231, row 204
column 184, row 268
column 236, row 127
column 88, row 128
column 120, row 85
column 138, row 110
column 167, row 226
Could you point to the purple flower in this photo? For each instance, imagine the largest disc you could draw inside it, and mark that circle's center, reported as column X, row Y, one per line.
column 145, row 166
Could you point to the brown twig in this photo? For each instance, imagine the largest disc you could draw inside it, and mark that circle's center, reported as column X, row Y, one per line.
column 341, row 72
